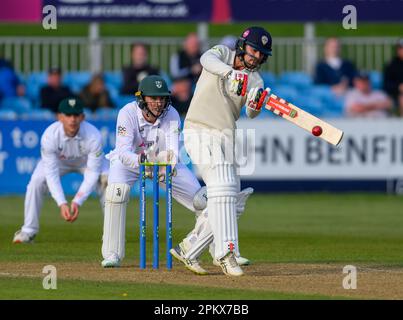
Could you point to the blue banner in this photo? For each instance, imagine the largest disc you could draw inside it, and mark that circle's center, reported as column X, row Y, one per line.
column 315, row 10
column 20, row 152
column 131, row 10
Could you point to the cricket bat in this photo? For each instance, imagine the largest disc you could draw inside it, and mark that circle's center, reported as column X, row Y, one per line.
column 304, row 119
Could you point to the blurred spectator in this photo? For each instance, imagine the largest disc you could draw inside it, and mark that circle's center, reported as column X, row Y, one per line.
column 186, row 63
column 54, row 91
column 362, row 101
column 333, row 70
column 138, row 70
column 229, row 41
column 95, row 95
column 393, row 77
column 181, row 95
column 10, row 85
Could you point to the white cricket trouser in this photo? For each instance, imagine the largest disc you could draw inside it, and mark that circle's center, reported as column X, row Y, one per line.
column 37, row 189
column 184, row 187
column 212, row 153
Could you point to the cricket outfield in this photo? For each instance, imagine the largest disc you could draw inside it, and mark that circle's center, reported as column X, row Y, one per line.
column 298, row 243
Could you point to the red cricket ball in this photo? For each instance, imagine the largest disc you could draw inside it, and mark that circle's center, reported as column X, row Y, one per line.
column 317, row 131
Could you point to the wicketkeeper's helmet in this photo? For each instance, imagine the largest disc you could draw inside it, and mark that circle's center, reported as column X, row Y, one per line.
column 153, row 86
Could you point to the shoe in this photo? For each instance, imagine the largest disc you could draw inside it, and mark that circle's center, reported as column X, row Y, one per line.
column 229, row 265
column 193, row 265
column 240, row 260
column 22, row 237
column 112, row 261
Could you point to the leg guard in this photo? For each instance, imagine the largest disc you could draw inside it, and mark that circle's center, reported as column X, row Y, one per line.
column 116, row 199
column 199, row 239
column 221, row 204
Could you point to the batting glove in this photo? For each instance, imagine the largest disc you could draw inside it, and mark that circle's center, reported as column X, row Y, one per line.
column 238, row 82
column 257, row 97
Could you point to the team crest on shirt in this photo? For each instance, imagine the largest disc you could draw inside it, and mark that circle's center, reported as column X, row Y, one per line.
column 265, row 40
column 158, row 84
column 121, row 131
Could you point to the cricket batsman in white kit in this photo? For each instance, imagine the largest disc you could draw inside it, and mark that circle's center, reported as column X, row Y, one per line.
column 69, row 145
column 209, row 131
column 148, row 130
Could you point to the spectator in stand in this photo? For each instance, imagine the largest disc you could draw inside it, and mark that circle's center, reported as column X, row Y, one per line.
column 138, row 70
column 393, row 77
column 95, row 95
column 334, row 70
column 54, row 92
column 362, row 101
column 10, row 85
column 186, row 63
column 181, row 95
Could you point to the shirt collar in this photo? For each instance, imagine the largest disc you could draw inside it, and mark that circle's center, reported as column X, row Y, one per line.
column 142, row 121
column 76, row 137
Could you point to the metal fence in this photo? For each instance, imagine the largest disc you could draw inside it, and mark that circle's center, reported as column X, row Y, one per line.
column 33, row 54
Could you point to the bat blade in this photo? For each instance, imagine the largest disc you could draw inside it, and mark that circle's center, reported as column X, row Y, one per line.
column 304, row 119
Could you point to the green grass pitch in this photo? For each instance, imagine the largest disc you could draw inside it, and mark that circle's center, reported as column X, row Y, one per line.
column 286, row 236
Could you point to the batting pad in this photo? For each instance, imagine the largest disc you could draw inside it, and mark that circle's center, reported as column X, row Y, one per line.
column 221, row 204
column 116, row 199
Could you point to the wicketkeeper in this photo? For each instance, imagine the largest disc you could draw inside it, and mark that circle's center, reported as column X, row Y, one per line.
column 69, row 145
column 147, row 129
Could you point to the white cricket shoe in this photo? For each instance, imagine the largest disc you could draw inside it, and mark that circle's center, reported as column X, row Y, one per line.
column 112, row 261
column 240, row 260
column 193, row 265
column 229, row 265
column 22, row 237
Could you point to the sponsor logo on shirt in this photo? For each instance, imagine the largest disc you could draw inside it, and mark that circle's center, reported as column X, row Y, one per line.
column 121, row 131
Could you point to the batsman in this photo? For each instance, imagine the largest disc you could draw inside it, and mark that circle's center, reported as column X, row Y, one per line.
column 229, row 81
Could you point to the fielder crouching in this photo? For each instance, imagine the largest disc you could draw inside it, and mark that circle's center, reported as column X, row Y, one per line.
column 69, row 145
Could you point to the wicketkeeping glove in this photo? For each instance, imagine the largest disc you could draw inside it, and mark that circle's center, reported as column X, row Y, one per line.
column 238, row 82
column 257, row 97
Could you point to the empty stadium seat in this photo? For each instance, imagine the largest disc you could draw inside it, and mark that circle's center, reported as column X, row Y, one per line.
column 113, row 79
column 7, row 114
column 122, row 100
column 17, row 104
column 376, row 79
column 269, row 79
column 38, row 114
column 106, row 114
column 298, row 79
column 288, row 93
column 312, row 105
column 34, row 82
column 76, row 80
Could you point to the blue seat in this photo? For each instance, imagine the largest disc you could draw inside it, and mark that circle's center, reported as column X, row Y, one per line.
column 113, row 79
column 8, row 114
column 269, row 79
column 376, row 79
column 38, row 114
column 312, row 105
column 76, row 80
column 298, row 79
column 106, row 114
column 17, row 104
column 34, row 82
column 288, row 93
column 122, row 100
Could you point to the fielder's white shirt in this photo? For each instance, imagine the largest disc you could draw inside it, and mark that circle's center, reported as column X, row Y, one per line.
column 134, row 134
column 213, row 104
column 75, row 153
